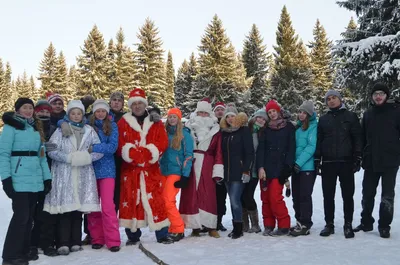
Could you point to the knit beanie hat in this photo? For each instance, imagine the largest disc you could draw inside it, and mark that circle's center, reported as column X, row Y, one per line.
column 101, row 104
column 22, row 101
column 42, row 104
column 175, row 111
column 53, row 97
column 380, row 87
column 332, row 92
column 75, row 104
column 230, row 110
column 272, row 104
column 308, row 107
column 117, row 95
column 261, row 113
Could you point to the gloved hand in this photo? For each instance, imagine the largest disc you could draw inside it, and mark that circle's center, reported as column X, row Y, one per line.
column 317, row 166
column 245, row 178
column 296, row 169
column 47, row 186
column 50, row 146
column 66, row 129
column 8, row 187
column 218, row 180
column 357, row 164
column 182, row 183
column 155, row 114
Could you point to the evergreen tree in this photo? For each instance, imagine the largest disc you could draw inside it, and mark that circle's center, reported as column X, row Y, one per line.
column 110, row 66
column 35, row 90
column 150, row 63
column 11, row 98
column 170, row 80
column 351, row 32
column 72, row 82
column 255, row 59
column 61, row 78
column 47, row 69
column 4, row 93
column 92, row 66
column 23, row 87
column 184, row 91
column 125, row 67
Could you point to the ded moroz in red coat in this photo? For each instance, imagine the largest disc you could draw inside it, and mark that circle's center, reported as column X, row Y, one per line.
column 198, row 203
column 142, row 184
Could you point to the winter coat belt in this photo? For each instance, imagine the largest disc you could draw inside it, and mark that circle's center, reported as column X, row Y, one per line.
column 200, row 151
column 24, row 153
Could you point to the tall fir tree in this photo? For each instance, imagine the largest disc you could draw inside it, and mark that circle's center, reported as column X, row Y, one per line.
column 170, row 80
column 4, row 93
column 220, row 74
column 61, row 78
column 110, row 66
column 72, row 82
column 351, row 32
column 47, row 70
column 9, row 87
column 185, row 80
column 150, row 63
column 124, row 65
column 36, row 91
column 23, row 88
column 92, row 66
column 256, row 62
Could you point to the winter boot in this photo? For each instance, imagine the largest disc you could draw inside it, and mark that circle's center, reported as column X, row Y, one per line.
column 279, row 232
column 348, row 230
column 50, row 252
column 87, row 240
column 220, row 226
column 97, row 246
column 237, row 230
column 297, row 226
column 32, row 254
column 15, row 262
column 245, row 218
column 384, row 232
column 363, row 227
column 255, row 227
column 166, row 240
column 114, row 249
column 76, row 248
column 300, row 230
column 328, row 230
column 267, row 230
column 177, row 236
column 213, row 233
column 196, row 232
column 64, row 251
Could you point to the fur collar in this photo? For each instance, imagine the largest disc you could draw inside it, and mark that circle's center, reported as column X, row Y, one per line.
column 241, row 120
column 143, row 130
column 9, row 118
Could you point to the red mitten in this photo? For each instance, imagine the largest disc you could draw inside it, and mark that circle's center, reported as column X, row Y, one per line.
column 140, row 155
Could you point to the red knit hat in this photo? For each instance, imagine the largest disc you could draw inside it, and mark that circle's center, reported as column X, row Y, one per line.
column 137, row 94
column 175, row 111
column 219, row 104
column 53, row 97
column 272, row 104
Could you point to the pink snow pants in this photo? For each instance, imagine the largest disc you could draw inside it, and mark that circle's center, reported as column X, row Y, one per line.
column 103, row 226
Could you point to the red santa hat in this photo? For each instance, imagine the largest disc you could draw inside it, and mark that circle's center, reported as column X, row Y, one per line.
column 137, row 94
column 53, row 97
column 219, row 104
column 205, row 106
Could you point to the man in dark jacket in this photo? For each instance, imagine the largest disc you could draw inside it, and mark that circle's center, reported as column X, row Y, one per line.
column 339, row 147
column 381, row 158
column 57, row 105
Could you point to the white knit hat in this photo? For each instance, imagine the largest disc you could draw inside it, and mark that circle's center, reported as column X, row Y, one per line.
column 75, row 104
column 204, row 106
column 101, row 104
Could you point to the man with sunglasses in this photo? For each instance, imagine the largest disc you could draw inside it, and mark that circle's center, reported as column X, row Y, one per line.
column 381, row 159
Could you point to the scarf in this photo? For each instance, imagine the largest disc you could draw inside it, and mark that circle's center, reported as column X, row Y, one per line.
column 277, row 124
column 76, row 124
column 256, row 128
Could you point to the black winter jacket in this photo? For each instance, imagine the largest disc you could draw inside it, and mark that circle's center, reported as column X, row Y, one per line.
column 339, row 137
column 237, row 149
column 381, row 126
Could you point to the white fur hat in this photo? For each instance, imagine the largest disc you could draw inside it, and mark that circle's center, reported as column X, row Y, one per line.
column 75, row 104
column 204, row 106
column 101, row 104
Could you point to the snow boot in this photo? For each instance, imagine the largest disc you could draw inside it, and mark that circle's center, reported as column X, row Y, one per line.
column 328, row 230
column 299, row 230
column 15, row 262
column 297, row 226
column 166, row 240
column 87, row 240
column 97, row 246
column 32, row 254
column 237, row 230
column 114, row 249
column 196, row 232
column 220, row 226
column 267, row 230
column 177, row 236
column 213, row 233
column 50, row 252
column 279, row 232
column 76, row 248
column 255, row 227
column 348, row 230
column 245, row 218
column 363, row 227
column 64, row 251
column 384, row 232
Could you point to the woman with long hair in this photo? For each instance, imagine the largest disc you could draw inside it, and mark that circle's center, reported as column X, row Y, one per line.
column 176, row 165
column 24, row 173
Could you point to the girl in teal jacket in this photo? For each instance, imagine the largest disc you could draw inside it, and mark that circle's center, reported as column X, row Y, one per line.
column 304, row 173
column 176, row 164
column 24, row 172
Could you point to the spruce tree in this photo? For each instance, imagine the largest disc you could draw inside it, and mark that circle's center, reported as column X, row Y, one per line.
column 23, row 87
column 184, row 84
column 351, row 32
column 47, row 70
column 72, row 82
column 150, row 63
column 9, row 88
column 61, row 76
column 4, row 93
column 110, row 66
column 255, row 59
column 92, row 66
column 170, row 80
column 124, row 65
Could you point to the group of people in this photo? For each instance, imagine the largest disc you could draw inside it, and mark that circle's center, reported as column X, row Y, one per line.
column 125, row 170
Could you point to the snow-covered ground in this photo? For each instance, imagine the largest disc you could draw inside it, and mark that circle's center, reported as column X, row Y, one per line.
column 364, row 249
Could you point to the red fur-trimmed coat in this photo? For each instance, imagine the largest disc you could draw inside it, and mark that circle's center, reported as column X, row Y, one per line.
column 141, row 147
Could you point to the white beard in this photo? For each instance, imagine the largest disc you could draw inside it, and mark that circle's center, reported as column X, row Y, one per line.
column 201, row 126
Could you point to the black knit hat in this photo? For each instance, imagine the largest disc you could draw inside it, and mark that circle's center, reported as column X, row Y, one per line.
column 380, row 87
column 22, row 101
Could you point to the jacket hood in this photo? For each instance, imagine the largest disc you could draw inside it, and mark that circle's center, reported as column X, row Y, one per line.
column 313, row 120
column 240, row 120
column 11, row 119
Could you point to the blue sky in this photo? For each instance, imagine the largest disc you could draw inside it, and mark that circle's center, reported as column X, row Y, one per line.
column 27, row 27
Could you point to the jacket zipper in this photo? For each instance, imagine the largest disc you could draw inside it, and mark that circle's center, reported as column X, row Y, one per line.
column 228, row 158
column 18, row 163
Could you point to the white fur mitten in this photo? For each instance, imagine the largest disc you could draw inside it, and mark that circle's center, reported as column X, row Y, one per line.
column 81, row 158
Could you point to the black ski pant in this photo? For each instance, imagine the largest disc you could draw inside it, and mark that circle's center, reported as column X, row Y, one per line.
column 69, row 229
column 221, row 201
column 302, row 189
